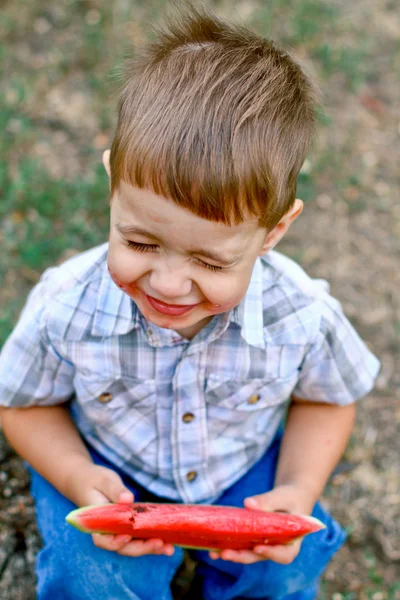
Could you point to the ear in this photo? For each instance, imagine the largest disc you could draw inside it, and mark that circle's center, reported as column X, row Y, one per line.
column 106, row 162
column 280, row 229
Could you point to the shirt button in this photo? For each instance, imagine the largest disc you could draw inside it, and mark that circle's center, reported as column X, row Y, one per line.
column 191, row 476
column 188, row 417
column 106, row 397
column 253, row 399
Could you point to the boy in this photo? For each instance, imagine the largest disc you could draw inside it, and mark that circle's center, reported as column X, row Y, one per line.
column 161, row 366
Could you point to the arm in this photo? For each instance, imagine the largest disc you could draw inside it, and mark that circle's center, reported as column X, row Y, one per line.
column 315, row 438
column 47, row 438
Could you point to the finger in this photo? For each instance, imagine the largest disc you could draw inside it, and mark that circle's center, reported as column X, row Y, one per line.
column 280, row 554
column 281, row 498
column 273, row 501
column 111, row 485
column 246, row 557
column 94, row 496
column 254, row 503
column 142, row 547
column 110, row 542
column 126, row 496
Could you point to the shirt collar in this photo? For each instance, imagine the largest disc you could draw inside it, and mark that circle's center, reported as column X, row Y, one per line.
column 248, row 314
column 117, row 314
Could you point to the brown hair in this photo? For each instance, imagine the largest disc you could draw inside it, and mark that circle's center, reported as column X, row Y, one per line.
column 216, row 118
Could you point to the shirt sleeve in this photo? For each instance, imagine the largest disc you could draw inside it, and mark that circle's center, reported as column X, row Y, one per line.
column 32, row 372
column 338, row 368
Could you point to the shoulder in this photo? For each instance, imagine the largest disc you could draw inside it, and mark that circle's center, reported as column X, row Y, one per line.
column 82, row 269
column 69, row 293
column 309, row 325
column 289, row 277
column 295, row 306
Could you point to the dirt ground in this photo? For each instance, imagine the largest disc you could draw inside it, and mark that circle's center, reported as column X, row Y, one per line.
column 348, row 234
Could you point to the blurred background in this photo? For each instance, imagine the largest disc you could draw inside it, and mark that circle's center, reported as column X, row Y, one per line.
column 60, row 64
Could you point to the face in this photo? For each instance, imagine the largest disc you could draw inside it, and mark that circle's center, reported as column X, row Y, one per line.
column 179, row 269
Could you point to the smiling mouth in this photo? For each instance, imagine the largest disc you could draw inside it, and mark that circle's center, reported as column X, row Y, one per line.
column 169, row 309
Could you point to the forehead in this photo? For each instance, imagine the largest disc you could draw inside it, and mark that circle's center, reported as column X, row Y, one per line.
column 164, row 218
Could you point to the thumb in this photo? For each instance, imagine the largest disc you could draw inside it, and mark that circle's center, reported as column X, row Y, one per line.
column 258, row 503
column 275, row 500
column 111, row 487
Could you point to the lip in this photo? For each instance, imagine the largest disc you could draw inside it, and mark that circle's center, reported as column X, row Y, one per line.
column 175, row 310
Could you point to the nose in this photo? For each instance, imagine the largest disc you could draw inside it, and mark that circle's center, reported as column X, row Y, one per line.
column 170, row 283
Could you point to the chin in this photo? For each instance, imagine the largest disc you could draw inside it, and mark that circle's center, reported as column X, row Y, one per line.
column 168, row 322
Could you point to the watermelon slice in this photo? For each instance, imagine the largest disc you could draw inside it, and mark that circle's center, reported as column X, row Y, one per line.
column 193, row 525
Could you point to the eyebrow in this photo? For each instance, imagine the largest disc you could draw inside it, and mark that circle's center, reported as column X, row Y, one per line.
column 126, row 229
column 210, row 254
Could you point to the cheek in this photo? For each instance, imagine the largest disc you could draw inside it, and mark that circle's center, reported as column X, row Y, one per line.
column 217, row 309
column 125, row 279
column 129, row 288
column 222, row 298
column 116, row 280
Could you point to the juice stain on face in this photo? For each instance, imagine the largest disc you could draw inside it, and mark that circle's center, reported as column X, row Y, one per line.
column 207, row 307
column 118, row 282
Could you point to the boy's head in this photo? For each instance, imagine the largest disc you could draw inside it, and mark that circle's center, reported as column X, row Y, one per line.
column 216, row 121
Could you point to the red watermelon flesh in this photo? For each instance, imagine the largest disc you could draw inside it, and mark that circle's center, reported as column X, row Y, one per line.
column 195, row 526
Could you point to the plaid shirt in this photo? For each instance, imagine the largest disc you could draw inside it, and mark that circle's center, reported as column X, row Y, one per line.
column 185, row 419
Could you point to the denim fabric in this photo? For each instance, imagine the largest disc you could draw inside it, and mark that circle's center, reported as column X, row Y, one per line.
column 70, row 567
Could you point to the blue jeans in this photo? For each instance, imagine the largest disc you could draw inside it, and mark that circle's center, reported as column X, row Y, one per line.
column 71, row 567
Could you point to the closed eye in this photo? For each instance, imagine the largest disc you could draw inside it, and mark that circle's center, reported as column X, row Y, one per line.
column 141, row 247
column 208, row 266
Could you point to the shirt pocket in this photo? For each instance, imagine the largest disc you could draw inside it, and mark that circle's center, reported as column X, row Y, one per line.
column 248, row 396
column 245, row 410
column 268, row 380
column 117, row 404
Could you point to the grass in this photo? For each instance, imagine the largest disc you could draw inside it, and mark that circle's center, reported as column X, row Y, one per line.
column 317, row 26
column 60, row 216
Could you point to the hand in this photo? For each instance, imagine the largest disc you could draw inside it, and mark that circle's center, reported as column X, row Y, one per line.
column 93, row 484
column 284, row 498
